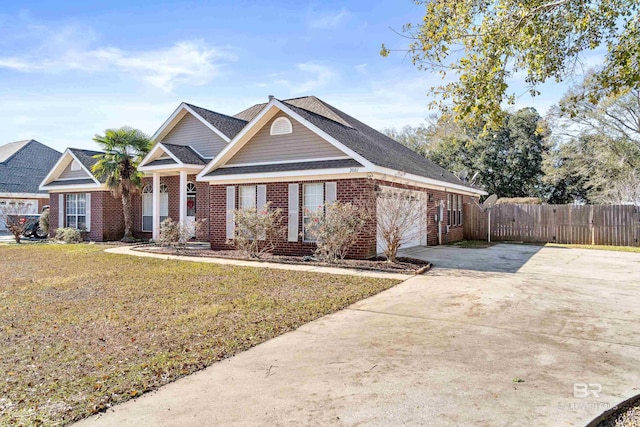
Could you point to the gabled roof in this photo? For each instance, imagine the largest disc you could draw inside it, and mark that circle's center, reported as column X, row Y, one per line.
column 374, row 146
column 87, row 160
column 86, row 157
column 355, row 138
column 230, row 126
column 23, row 165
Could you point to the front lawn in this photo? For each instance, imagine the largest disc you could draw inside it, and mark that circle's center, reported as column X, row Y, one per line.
column 81, row 329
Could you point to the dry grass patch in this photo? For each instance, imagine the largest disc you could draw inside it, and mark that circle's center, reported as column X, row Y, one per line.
column 81, row 329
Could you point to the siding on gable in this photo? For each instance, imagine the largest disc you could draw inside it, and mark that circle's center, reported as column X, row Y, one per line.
column 67, row 173
column 191, row 131
column 302, row 144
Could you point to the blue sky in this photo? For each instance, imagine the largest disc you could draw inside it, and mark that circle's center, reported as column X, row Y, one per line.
column 71, row 69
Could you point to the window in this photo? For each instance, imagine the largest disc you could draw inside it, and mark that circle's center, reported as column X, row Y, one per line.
column 281, row 126
column 247, row 197
column 454, row 209
column 77, row 211
column 147, row 206
column 313, row 201
column 75, row 166
column 191, row 199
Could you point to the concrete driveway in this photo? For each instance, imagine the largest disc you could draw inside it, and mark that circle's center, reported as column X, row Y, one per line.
column 440, row 349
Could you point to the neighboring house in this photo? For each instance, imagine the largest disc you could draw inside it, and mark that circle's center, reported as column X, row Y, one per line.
column 297, row 153
column 23, row 165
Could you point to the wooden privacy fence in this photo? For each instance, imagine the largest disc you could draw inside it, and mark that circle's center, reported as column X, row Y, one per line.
column 589, row 224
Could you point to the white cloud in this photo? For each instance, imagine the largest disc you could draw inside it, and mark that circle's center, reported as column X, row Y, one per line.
column 327, row 21
column 190, row 62
column 312, row 76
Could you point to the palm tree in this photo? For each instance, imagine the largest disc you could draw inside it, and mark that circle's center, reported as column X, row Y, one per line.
column 123, row 148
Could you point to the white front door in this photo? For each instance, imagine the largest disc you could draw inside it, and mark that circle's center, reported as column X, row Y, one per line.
column 190, row 220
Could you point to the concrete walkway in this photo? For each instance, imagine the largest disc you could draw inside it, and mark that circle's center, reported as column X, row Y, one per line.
column 127, row 250
column 442, row 349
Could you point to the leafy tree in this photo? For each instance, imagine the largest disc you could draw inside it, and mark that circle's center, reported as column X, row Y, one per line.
column 417, row 138
column 484, row 43
column 599, row 150
column 124, row 149
column 588, row 169
column 508, row 159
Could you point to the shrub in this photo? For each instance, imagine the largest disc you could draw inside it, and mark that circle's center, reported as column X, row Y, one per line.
column 257, row 231
column 336, row 229
column 44, row 221
column 174, row 233
column 397, row 213
column 69, row 235
column 13, row 215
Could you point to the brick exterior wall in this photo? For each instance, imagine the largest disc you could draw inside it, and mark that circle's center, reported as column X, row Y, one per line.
column 107, row 219
column 347, row 190
column 278, row 195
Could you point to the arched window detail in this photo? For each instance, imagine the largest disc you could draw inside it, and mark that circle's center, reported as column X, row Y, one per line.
column 281, row 126
column 191, row 199
column 147, row 205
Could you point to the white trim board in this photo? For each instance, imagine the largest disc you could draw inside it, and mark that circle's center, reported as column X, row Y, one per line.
column 175, row 118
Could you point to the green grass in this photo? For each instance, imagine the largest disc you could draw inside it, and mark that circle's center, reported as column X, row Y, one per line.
column 81, row 330
column 598, row 247
column 472, row 244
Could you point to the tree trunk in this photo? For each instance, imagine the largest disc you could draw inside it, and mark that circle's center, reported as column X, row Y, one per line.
column 126, row 210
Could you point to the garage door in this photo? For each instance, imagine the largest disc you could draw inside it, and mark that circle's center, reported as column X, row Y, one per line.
column 416, row 233
column 24, row 206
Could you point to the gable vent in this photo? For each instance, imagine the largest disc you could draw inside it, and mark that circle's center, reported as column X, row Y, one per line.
column 281, row 126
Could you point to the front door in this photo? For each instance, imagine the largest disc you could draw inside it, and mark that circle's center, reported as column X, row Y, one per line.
column 191, row 208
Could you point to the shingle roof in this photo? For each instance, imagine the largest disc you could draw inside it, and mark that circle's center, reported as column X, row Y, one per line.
column 374, row 146
column 86, row 157
column 23, row 166
column 250, row 112
column 185, row 154
column 230, row 126
column 286, row 167
column 161, row 162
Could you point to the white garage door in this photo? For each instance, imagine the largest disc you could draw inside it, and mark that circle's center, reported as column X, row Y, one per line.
column 23, row 206
column 416, row 233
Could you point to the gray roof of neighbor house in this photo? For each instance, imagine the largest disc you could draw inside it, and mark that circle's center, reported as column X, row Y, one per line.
column 230, row 126
column 374, row 146
column 86, row 157
column 23, row 166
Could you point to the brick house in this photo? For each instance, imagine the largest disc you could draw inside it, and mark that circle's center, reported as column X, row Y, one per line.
column 23, row 164
column 299, row 154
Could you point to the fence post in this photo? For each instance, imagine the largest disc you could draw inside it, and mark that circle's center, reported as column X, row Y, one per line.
column 591, row 226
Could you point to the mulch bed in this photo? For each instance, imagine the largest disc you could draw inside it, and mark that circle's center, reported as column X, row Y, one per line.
column 402, row 264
